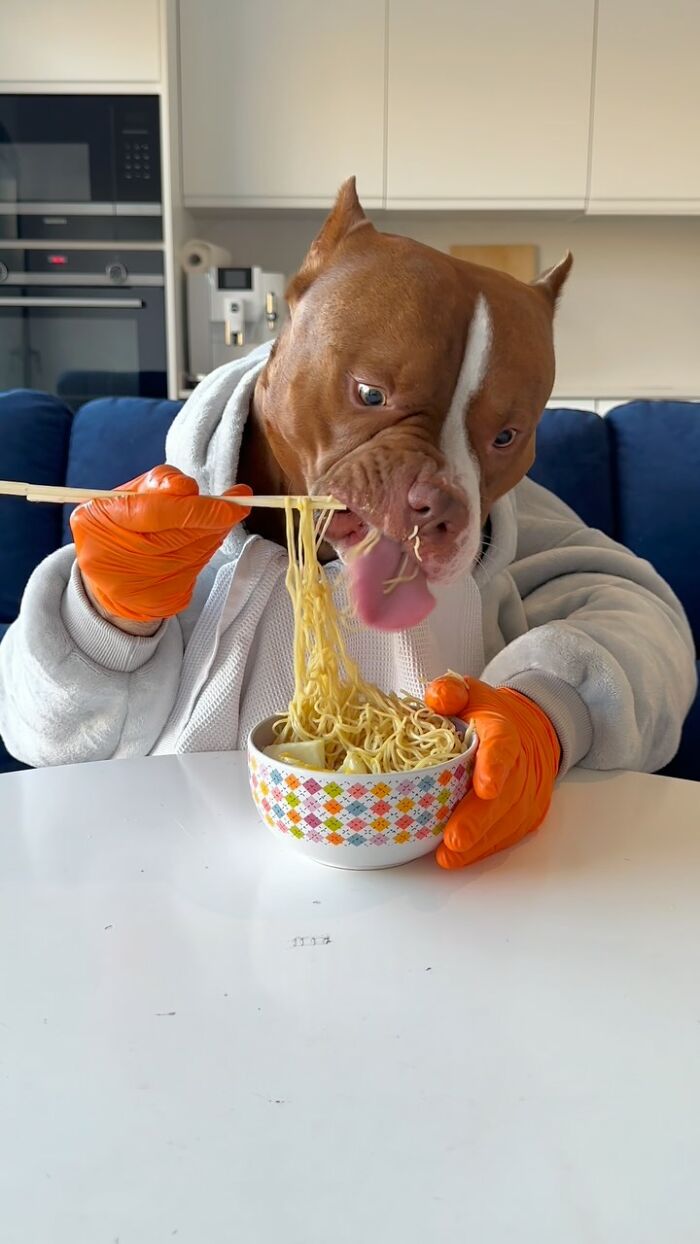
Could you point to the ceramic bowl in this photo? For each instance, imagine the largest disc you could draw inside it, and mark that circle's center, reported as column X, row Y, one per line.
column 351, row 820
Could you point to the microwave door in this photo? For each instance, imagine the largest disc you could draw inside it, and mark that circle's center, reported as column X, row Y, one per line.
column 56, row 149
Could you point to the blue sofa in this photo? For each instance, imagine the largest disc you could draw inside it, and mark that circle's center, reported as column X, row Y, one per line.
column 634, row 474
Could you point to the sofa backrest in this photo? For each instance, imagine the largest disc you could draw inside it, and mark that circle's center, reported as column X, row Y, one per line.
column 656, row 457
column 34, row 435
column 574, row 461
column 634, row 474
column 113, row 440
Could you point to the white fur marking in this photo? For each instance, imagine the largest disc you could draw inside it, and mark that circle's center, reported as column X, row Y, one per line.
column 454, row 441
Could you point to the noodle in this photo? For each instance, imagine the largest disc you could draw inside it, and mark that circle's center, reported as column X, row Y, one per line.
column 322, row 524
column 363, row 730
column 390, row 584
column 368, row 541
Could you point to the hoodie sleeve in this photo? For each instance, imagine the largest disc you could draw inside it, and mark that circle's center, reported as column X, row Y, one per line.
column 608, row 655
column 72, row 686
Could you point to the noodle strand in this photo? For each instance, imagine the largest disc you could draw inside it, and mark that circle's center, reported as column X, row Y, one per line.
column 363, row 730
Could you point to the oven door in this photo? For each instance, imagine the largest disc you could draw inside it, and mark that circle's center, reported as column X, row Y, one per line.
column 81, row 343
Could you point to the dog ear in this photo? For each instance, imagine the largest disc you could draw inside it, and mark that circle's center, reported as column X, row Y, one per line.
column 345, row 215
column 551, row 281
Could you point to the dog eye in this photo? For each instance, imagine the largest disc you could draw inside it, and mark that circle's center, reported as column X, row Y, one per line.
column 369, row 396
column 505, row 438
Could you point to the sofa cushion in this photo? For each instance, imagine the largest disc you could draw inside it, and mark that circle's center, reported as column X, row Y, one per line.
column 34, row 433
column 657, row 465
column 115, row 439
column 686, row 762
column 573, row 460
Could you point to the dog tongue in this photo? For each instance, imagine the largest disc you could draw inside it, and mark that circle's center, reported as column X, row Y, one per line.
column 405, row 606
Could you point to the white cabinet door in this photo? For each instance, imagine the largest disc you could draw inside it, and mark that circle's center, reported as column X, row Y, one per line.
column 646, row 116
column 488, row 102
column 79, row 41
column 281, row 100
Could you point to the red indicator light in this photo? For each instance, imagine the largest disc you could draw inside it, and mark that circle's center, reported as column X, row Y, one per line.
column 59, row 261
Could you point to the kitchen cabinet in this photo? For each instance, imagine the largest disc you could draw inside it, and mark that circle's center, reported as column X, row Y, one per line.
column 441, row 104
column 57, row 41
column 281, row 101
column 488, row 103
column 646, row 116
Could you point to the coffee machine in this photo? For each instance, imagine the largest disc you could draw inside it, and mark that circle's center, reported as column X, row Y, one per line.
column 230, row 311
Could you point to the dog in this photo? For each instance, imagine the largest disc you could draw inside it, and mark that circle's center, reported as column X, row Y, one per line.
column 408, row 384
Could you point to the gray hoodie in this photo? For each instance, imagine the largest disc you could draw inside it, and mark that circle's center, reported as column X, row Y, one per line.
column 554, row 609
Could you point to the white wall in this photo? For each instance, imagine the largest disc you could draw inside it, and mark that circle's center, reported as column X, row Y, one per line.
column 629, row 322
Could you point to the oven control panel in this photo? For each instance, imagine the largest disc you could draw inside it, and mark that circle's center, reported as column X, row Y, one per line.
column 80, row 267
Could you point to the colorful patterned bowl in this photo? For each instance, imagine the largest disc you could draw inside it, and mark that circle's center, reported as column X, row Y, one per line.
column 351, row 820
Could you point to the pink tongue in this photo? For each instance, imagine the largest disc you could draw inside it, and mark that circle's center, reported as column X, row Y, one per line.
column 407, row 603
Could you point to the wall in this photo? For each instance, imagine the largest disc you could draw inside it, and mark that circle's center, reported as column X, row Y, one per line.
column 629, row 322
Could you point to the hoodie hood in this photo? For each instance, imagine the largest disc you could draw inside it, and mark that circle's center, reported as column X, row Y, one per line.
column 204, row 440
column 205, row 436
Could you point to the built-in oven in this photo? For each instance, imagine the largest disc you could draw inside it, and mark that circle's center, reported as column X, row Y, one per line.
column 82, row 323
column 81, row 167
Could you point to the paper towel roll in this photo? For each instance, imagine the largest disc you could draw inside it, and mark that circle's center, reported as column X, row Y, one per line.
column 197, row 255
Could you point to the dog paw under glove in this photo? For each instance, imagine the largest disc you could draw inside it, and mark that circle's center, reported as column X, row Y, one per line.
column 516, row 765
column 140, row 555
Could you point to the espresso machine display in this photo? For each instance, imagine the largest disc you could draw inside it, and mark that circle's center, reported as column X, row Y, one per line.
column 230, row 311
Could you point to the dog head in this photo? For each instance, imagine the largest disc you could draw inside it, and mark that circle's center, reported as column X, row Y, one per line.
column 408, row 384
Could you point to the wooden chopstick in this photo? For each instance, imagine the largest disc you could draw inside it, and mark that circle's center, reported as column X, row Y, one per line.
column 70, row 496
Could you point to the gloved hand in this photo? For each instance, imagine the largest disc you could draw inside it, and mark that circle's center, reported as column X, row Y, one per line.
column 516, row 764
column 140, row 555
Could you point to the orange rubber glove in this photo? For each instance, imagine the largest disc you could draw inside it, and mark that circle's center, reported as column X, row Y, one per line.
column 515, row 768
column 140, row 555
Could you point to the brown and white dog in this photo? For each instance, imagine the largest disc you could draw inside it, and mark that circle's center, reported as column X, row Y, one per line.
column 409, row 385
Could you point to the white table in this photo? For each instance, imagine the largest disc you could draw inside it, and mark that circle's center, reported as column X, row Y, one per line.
column 204, row 1039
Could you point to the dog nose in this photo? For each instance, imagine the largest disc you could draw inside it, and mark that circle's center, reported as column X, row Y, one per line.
column 433, row 509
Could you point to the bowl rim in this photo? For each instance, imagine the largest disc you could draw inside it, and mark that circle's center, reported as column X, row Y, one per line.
column 467, row 755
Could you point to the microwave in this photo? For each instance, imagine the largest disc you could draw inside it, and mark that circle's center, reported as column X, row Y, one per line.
column 80, row 167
